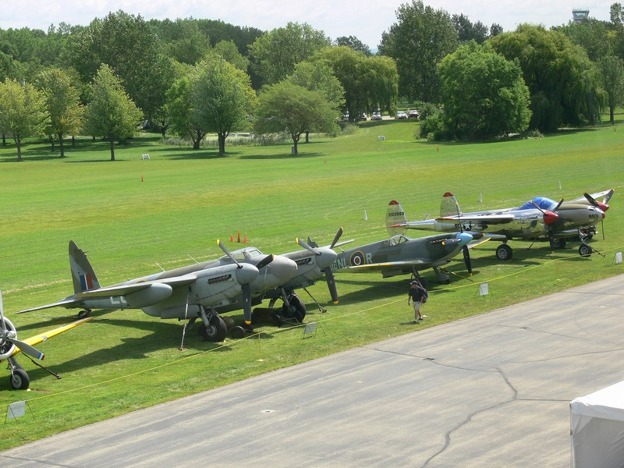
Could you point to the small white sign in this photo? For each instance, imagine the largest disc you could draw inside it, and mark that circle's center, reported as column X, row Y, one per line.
column 16, row 410
column 618, row 258
column 484, row 289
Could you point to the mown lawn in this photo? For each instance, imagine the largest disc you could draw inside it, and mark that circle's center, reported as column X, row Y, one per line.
column 136, row 216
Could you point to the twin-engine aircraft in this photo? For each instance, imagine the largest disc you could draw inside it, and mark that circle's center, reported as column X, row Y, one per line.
column 539, row 218
column 313, row 263
column 10, row 346
column 401, row 255
column 195, row 291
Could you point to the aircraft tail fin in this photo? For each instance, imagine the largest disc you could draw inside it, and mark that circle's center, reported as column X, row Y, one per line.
column 396, row 221
column 83, row 276
column 449, row 206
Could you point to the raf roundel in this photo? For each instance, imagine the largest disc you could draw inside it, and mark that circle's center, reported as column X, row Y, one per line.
column 357, row 258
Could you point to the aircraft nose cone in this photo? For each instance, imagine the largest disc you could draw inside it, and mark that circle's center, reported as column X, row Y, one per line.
column 247, row 273
column 464, row 238
column 326, row 258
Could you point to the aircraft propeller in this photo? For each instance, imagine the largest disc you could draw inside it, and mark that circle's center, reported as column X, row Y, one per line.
column 8, row 338
column 246, row 288
column 601, row 206
column 465, row 250
column 329, row 275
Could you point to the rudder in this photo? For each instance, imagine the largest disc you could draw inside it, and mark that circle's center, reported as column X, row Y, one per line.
column 449, row 206
column 83, row 276
column 395, row 218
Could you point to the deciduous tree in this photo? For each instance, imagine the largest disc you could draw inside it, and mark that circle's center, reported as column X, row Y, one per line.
column 563, row 82
column 62, row 101
column 417, row 42
column 22, row 112
column 110, row 113
column 612, row 74
column 287, row 107
column 275, row 53
column 483, row 94
column 221, row 97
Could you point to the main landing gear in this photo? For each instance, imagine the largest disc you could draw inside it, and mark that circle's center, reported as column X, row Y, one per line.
column 504, row 252
column 214, row 328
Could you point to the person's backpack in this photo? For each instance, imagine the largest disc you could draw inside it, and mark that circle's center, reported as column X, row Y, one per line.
column 425, row 293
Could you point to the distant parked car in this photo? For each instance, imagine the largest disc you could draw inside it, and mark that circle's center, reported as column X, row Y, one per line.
column 363, row 116
column 412, row 114
column 376, row 116
column 401, row 115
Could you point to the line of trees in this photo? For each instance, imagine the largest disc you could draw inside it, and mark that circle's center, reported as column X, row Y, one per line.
column 193, row 77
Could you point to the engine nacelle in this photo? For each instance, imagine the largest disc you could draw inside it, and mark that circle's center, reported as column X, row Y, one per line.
column 157, row 292
column 7, row 348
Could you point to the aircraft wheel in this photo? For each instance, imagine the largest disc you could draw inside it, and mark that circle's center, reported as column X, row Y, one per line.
column 297, row 309
column 19, row 379
column 504, row 252
column 215, row 331
column 585, row 250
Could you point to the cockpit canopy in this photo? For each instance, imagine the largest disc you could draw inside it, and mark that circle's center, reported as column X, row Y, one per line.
column 543, row 203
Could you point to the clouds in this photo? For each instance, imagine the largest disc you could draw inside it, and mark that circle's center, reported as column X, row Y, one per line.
column 365, row 19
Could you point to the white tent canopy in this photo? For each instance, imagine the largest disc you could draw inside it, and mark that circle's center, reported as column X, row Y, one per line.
column 597, row 428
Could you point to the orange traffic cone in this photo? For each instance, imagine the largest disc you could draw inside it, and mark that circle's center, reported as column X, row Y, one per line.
column 231, row 237
column 245, row 240
column 238, row 238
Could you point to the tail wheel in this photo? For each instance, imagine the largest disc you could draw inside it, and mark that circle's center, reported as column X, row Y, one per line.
column 215, row 331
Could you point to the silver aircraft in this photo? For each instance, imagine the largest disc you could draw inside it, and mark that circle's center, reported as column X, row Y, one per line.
column 199, row 290
column 538, row 218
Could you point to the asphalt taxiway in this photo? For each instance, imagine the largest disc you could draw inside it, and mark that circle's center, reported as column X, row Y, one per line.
column 491, row 390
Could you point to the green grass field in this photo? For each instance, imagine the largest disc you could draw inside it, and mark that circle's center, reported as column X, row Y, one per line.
column 135, row 216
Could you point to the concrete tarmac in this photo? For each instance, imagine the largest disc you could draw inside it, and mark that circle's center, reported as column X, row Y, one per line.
column 491, row 390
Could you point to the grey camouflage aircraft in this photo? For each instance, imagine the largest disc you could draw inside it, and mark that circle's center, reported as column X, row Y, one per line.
column 538, row 218
column 313, row 262
column 199, row 290
column 401, row 255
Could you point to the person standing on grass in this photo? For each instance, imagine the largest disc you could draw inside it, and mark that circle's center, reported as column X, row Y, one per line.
column 416, row 295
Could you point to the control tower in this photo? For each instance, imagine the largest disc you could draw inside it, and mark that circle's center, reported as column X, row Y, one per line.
column 580, row 14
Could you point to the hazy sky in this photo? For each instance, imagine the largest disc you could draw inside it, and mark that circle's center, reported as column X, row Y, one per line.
column 365, row 19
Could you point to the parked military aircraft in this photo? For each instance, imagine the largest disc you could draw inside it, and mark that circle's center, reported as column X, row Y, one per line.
column 10, row 346
column 400, row 255
column 313, row 262
column 539, row 218
column 199, row 290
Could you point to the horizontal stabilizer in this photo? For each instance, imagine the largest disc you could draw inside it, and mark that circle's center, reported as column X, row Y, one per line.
column 67, row 303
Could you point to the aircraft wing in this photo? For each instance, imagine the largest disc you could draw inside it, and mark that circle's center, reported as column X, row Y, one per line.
column 120, row 290
column 485, row 218
column 67, row 303
column 387, row 265
column 471, row 218
column 606, row 194
column 41, row 337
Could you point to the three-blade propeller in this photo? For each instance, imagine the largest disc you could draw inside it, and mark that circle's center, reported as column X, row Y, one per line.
column 8, row 338
column 329, row 275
